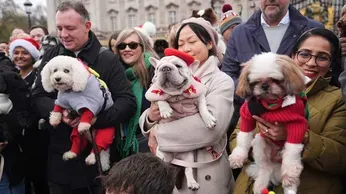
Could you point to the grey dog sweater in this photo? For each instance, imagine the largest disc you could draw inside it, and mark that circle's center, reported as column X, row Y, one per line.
column 91, row 98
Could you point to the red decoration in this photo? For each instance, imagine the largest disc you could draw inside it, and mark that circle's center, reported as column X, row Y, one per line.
column 158, row 92
column 197, row 79
column 190, row 90
column 226, row 7
column 184, row 56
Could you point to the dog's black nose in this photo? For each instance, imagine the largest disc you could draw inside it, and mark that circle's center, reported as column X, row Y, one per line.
column 265, row 86
column 57, row 79
column 166, row 69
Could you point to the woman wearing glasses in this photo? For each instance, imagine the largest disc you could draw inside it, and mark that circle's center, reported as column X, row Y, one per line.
column 134, row 50
column 318, row 53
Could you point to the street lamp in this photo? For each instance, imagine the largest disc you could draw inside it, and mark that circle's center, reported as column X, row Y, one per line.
column 28, row 5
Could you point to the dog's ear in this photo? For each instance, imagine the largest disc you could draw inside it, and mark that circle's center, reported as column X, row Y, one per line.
column 293, row 75
column 244, row 89
column 153, row 61
column 80, row 76
column 45, row 78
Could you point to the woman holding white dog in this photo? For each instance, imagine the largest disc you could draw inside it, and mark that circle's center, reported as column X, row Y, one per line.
column 318, row 53
column 198, row 38
column 134, row 50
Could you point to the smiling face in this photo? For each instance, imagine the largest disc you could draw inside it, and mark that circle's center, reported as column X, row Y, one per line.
column 274, row 10
column 321, row 49
column 72, row 29
column 22, row 58
column 128, row 55
column 189, row 43
column 37, row 34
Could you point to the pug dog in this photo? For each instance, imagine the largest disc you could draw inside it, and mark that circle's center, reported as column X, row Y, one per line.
column 173, row 82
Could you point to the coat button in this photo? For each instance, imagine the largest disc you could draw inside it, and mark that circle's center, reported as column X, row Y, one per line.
column 208, row 177
column 294, row 36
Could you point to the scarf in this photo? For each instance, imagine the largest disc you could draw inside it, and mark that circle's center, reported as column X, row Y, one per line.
column 127, row 141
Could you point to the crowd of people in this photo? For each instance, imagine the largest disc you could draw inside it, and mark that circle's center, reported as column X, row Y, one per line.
column 31, row 149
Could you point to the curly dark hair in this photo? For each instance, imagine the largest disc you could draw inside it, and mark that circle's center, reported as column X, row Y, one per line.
column 141, row 173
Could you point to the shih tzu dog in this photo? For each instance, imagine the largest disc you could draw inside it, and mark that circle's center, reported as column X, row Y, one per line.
column 174, row 82
column 273, row 87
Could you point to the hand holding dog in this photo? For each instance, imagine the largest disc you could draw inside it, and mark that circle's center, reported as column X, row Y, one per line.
column 273, row 132
column 66, row 118
column 154, row 113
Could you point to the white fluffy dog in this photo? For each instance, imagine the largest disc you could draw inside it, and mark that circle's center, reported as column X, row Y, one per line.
column 272, row 85
column 82, row 92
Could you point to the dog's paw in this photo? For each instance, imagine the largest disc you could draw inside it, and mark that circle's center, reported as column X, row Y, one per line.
column 91, row 159
column 290, row 174
column 55, row 118
column 166, row 112
column 69, row 155
column 165, row 109
column 193, row 185
column 83, row 127
column 209, row 121
column 236, row 161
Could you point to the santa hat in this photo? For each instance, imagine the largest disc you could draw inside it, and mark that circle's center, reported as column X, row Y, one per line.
column 184, row 56
column 28, row 44
column 148, row 29
column 229, row 18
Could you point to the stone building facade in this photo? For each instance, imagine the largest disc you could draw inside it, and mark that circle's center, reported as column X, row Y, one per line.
column 108, row 16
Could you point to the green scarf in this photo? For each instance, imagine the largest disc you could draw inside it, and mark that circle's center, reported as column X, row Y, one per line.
column 130, row 143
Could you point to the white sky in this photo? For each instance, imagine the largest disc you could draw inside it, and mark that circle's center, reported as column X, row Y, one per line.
column 34, row 2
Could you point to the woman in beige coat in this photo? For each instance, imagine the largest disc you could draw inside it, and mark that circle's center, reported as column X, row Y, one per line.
column 197, row 37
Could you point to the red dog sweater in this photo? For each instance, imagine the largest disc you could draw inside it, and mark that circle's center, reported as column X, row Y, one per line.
column 291, row 116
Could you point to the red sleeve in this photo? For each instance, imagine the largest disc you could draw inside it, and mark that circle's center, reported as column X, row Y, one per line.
column 247, row 123
column 298, row 124
column 86, row 116
column 57, row 108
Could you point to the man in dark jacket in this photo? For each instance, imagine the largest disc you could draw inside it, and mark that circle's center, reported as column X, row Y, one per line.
column 274, row 28
column 77, row 40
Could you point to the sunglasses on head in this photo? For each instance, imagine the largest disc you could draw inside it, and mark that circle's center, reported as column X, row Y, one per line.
column 132, row 45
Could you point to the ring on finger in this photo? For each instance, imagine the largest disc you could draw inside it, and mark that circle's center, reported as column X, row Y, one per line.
column 266, row 131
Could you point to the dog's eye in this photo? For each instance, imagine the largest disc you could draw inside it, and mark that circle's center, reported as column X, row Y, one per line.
column 66, row 71
column 178, row 66
column 275, row 81
column 55, row 70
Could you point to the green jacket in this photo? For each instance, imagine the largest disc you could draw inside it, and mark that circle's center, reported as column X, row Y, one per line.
column 324, row 154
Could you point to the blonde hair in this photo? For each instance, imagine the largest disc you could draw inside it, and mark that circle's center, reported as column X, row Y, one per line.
column 171, row 34
column 139, row 67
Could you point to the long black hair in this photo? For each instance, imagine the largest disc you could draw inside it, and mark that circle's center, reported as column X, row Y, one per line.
column 335, row 50
column 201, row 33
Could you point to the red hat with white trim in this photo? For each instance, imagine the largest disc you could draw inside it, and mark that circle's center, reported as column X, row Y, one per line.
column 28, row 44
column 184, row 56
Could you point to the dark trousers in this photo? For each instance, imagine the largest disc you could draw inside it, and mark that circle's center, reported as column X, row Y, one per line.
column 66, row 189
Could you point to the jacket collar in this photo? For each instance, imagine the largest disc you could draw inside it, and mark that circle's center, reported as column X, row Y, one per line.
column 297, row 24
column 318, row 85
column 89, row 52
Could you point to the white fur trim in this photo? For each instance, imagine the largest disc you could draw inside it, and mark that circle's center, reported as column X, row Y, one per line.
column 26, row 45
column 150, row 28
column 264, row 65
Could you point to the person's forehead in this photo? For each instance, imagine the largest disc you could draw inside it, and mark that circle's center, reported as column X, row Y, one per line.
column 69, row 15
column 37, row 31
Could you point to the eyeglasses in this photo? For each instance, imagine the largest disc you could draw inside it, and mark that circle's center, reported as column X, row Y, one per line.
column 132, row 45
column 321, row 60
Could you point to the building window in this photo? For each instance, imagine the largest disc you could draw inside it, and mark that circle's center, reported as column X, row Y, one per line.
column 132, row 20
column 114, row 23
column 171, row 17
column 152, row 18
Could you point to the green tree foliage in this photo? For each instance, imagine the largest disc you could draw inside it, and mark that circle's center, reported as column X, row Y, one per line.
column 11, row 17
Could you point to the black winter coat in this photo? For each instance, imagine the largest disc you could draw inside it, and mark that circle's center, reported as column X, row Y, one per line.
column 75, row 173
